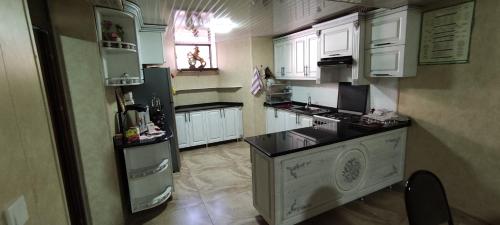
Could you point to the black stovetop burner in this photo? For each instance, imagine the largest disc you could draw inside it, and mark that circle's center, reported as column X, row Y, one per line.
column 344, row 117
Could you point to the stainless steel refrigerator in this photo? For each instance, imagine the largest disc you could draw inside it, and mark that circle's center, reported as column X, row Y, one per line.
column 157, row 82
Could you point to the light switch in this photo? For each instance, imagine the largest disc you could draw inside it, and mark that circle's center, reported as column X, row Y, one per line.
column 17, row 213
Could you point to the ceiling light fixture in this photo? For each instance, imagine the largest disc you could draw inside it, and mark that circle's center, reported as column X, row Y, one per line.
column 222, row 25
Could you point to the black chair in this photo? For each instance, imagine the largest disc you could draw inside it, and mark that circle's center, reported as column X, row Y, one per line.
column 426, row 202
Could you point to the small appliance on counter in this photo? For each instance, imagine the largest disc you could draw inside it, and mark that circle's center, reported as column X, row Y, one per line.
column 136, row 115
column 277, row 93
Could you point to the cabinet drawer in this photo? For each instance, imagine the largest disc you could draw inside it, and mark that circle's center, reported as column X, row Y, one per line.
column 385, row 62
column 149, row 191
column 387, row 30
column 143, row 157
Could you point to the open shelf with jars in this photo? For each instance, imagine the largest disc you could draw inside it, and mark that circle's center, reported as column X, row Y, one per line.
column 117, row 34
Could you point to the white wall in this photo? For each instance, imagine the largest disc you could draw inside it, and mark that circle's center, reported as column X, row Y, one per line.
column 321, row 94
column 383, row 93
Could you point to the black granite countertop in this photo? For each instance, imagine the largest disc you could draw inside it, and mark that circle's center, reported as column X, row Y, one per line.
column 121, row 144
column 289, row 105
column 206, row 106
column 286, row 142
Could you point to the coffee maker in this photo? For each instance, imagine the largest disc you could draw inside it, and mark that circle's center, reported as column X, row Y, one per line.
column 136, row 115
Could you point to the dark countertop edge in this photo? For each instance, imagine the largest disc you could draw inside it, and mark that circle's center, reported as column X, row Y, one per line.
column 368, row 133
column 163, row 138
column 332, row 109
column 205, row 106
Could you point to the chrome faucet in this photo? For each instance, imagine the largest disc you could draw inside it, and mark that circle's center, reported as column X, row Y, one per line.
column 308, row 102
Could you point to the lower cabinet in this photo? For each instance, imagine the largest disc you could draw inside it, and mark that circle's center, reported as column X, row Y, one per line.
column 275, row 120
column 149, row 175
column 181, row 122
column 292, row 188
column 279, row 120
column 214, row 124
column 208, row 126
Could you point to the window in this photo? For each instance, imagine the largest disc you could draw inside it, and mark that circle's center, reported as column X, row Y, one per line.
column 194, row 41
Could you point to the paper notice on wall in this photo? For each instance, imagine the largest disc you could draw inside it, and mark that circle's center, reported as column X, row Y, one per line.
column 446, row 34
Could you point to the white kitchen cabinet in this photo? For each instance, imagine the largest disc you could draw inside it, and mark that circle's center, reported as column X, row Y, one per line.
column 299, row 59
column 290, row 121
column 283, row 58
column 340, row 37
column 304, row 121
column 387, row 62
column 311, row 56
column 197, row 129
column 278, row 58
column 151, row 47
column 230, row 123
column 215, row 125
column 208, row 126
column 280, row 120
column 296, row 56
column 297, row 120
column 291, row 188
column 386, row 30
column 393, row 42
column 275, row 120
column 336, row 41
column 182, row 125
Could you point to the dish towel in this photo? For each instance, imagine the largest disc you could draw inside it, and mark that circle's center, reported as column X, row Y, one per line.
column 256, row 82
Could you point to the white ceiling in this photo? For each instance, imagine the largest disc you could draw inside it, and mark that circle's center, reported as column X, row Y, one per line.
column 254, row 17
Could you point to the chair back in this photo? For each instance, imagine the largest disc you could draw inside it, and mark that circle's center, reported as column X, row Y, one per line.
column 426, row 202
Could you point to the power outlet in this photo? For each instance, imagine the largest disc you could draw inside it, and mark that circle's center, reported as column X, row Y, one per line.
column 17, row 213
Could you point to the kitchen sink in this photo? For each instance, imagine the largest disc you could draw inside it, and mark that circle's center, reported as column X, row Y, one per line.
column 311, row 110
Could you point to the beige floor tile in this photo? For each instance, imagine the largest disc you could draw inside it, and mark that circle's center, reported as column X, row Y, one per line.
column 231, row 207
column 199, row 160
column 216, row 178
column 196, row 215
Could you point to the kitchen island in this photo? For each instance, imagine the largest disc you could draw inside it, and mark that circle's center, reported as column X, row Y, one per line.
column 298, row 174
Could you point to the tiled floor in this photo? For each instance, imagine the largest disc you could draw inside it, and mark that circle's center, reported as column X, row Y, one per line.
column 214, row 188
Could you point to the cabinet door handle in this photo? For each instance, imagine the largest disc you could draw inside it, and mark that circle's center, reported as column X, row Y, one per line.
column 381, row 74
column 282, row 71
column 382, row 44
column 185, row 117
column 224, row 112
column 334, row 54
column 189, row 117
column 220, row 113
column 275, row 113
column 307, row 71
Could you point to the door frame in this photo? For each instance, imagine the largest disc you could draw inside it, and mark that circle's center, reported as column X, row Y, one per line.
column 50, row 63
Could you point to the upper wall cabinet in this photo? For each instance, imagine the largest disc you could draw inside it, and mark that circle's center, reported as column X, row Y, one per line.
column 117, row 38
column 342, row 37
column 393, row 40
column 296, row 56
column 336, row 41
column 151, row 43
column 150, row 37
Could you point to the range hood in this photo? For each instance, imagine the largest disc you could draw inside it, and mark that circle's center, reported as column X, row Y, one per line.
column 335, row 61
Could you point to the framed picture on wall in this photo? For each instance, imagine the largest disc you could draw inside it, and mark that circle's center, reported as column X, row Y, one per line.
column 446, row 33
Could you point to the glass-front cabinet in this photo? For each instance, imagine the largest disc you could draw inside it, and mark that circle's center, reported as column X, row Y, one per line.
column 117, row 36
